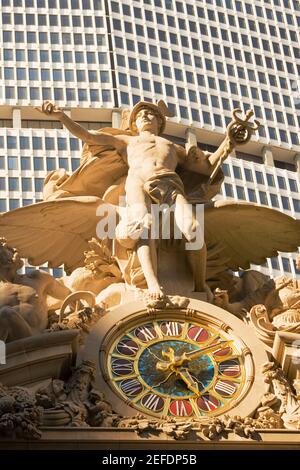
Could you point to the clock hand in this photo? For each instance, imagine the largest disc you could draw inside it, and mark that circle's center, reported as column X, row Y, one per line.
column 154, row 355
column 194, row 354
column 188, row 380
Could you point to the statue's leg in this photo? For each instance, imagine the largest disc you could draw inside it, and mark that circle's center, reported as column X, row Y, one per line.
column 12, row 325
column 197, row 261
column 185, row 218
column 140, row 207
column 146, row 251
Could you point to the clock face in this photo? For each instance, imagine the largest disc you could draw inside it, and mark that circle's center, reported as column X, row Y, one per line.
column 176, row 368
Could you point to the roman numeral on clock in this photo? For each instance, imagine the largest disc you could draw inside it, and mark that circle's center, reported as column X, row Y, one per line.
column 131, row 387
column 225, row 388
column 171, row 328
column 198, row 334
column 127, row 346
column 230, row 368
column 180, row 408
column 145, row 333
column 152, row 402
column 208, row 402
column 121, row 366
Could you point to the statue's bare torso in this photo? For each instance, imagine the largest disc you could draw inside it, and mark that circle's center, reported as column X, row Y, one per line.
column 148, row 154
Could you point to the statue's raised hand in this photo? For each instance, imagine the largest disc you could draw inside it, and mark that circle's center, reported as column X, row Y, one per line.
column 50, row 109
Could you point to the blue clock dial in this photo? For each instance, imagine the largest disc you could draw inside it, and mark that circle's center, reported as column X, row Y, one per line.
column 168, row 382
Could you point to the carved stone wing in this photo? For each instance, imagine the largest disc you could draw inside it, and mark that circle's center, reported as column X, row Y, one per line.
column 56, row 232
column 238, row 234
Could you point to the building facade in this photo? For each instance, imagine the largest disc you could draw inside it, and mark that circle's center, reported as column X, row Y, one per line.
column 204, row 58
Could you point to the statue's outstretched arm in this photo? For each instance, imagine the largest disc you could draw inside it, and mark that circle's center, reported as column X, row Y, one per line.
column 194, row 159
column 238, row 132
column 53, row 287
column 117, row 142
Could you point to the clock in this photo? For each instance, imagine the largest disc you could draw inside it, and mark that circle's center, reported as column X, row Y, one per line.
column 190, row 363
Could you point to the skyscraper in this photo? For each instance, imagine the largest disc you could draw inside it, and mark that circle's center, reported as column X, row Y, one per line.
column 204, row 58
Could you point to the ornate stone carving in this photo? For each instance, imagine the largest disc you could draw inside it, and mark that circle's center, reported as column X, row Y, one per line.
column 167, row 301
column 209, row 428
column 75, row 402
column 280, row 311
column 83, row 320
column 23, row 297
column 238, row 294
column 280, row 403
column 20, row 415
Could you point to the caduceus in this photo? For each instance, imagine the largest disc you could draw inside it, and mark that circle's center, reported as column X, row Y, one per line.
column 238, row 132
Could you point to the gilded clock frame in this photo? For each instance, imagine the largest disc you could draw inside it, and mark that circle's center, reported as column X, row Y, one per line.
column 126, row 317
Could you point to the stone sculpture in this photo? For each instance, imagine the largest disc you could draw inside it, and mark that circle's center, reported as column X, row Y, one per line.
column 236, row 234
column 279, row 311
column 23, row 297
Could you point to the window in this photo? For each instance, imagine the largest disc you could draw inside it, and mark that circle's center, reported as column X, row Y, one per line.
column 263, row 198
column 26, row 184
column 124, row 98
column 134, row 81
column 203, row 98
column 45, row 74
column 285, row 203
column 49, row 143
column 57, row 75
column 37, row 143
column 106, row 96
column 51, row 164
column 293, row 185
column 20, row 55
column 92, row 74
column 270, row 179
column 228, row 190
column 2, row 184
column 296, row 204
column 38, row 164
column 82, row 94
column 169, row 90
column 25, row 163
column 74, row 144
column 281, row 182
column 38, row 184
column 237, row 172
column 286, row 264
column 102, row 57
column 58, row 94
column 3, row 206
column 252, row 195
column 14, row 204
column 24, row 142
column 274, row 200
column 275, row 263
column 13, row 163
column 248, row 174
column 61, row 143
column 297, row 271
column 206, row 117
column 240, row 192
column 13, row 184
